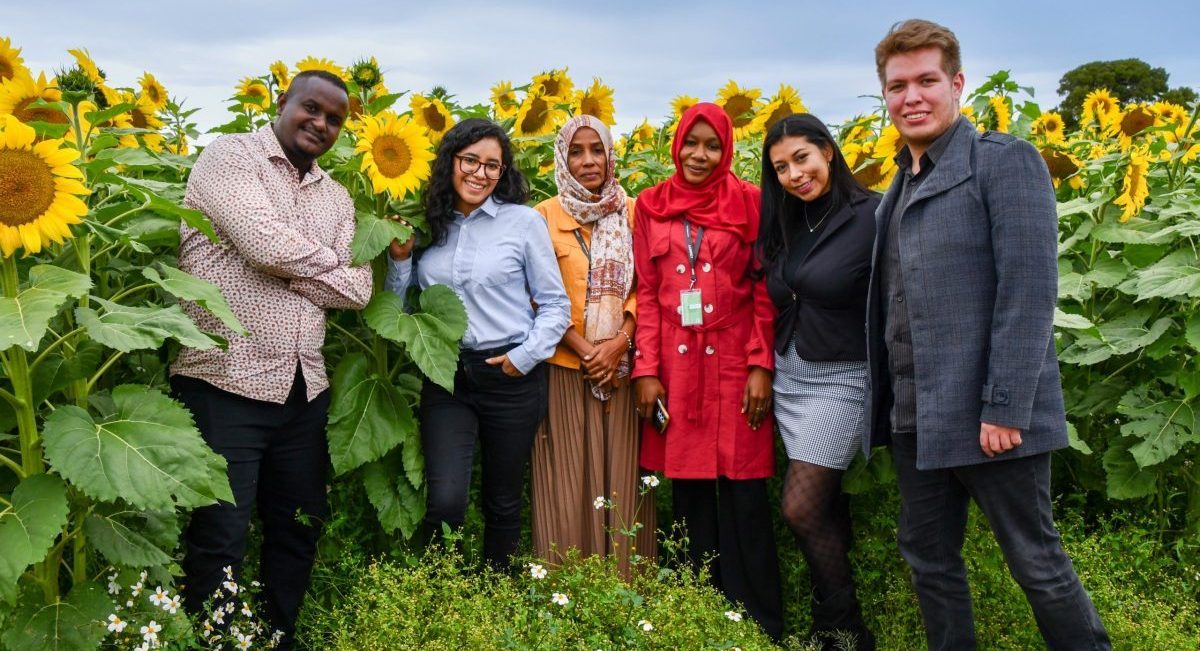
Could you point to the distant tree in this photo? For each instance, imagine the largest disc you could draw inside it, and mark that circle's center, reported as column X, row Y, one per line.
column 1130, row 80
column 1183, row 96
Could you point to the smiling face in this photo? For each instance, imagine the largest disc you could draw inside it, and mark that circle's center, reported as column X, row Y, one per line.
column 801, row 167
column 587, row 160
column 922, row 99
column 474, row 188
column 700, row 154
column 310, row 117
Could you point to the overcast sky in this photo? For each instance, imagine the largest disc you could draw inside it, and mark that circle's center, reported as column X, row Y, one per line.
column 648, row 51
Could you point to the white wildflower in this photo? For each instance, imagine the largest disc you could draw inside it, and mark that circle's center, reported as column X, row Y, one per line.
column 228, row 570
column 218, row 616
column 599, row 502
column 136, row 589
column 150, row 631
column 246, row 610
column 113, row 586
column 560, row 598
column 171, row 605
column 160, row 596
column 651, row 481
column 645, row 625
column 142, row 576
column 243, row 641
column 537, row 571
column 116, row 624
column 231, row 586
column 733, row 615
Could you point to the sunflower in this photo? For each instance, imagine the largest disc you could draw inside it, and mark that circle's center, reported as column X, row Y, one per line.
column 18, row 94
column 1126, row 125
column 886, row 147
column 395, row 152
column 87, row 65
column 681, row 103
column 595, row 100
column 786, row 102
column 554, row 83
column 313, row 63
column 539, row 115
column 1097, row 106
column 11, row 63
column 1001, row 111
column 366, row 73
column 741, row 105
column 256, row 89
column 1134, row 189
column 281, row 74
column 153, row 92
column 106, row 95
column 1049, row 126
column 642, row 137
column 504, row 100
column 122, row 121
column 142, row 116
column 1061, row 164
column 432, row 115
column 1169, row 114
column 39, row 189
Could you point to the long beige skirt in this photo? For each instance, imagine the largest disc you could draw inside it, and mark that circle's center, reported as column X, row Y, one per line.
column 586, row 449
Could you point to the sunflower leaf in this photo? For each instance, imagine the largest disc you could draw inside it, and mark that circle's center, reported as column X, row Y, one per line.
column 1126, row 480
column 24, row 319
column 126, row 328
column 369, row 417
column 148, row 453
column 183, row 285
column 74, row 623
column 1178, row 274
column 117, row 534
column 430, row 336
column 1161, row 425
column 397, row 503
column 100, row 117
column 28, row 528
column 373, row 235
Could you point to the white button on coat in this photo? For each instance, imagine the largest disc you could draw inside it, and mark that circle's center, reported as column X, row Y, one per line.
column 707, row 266
column 709, row 350
column 679, row 269
column 708, row 308
column 682, row 349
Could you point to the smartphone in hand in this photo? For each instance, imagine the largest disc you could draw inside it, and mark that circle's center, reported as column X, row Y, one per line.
column 660, row 418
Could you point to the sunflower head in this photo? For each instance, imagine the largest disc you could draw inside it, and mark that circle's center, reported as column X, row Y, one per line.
column 741, row 105
column 39, row 189
column 76, row 84
column 642, row 137
column 1060, row 164
column 281, row 75
column 314, row 63
column 504, row 100
column 153, row 92
column 786, row 102
column 366, row 73
column 1097, row 107
column 681, row 103
column 1049, row 126
column 431, row 113
column 257, row 92
column 539, row 115
column 11, row 63
column 1001, row 112
column 89, row 67
column 597, row 101
column 21, row 96
column 396, row 153
column 1135, row 188
column 554, row 83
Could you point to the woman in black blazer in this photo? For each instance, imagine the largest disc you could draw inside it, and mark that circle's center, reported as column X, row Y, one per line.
column 818, row 227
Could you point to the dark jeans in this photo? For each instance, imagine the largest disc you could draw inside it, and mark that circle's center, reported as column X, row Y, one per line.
column 277, row 459
column 1014, row 495
column 502, row 413
column 731, row 520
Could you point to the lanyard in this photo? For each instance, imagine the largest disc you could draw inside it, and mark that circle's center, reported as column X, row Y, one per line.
column 693, row 247
column 583, row 245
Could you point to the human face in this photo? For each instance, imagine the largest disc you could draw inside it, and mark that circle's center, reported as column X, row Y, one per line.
column 474, row 188
column 310, row 117
column 801, row 167
column 922, row 99
column 587, row 160
column 700, row 154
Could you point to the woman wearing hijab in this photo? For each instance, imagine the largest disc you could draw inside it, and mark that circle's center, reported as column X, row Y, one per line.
column 587, row 446
column 818, row 227
column 705, row 352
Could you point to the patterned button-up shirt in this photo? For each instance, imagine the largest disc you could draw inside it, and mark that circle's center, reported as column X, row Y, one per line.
column 282, row 258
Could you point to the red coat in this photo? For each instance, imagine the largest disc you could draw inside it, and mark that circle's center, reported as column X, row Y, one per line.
column 703, row 368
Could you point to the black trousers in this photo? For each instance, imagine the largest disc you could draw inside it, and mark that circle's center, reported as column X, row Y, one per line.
column 277, row 458
column 501, row 414
column 731, row 520
column 1014, row 495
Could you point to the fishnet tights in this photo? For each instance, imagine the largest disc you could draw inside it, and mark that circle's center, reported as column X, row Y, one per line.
column 818, row 513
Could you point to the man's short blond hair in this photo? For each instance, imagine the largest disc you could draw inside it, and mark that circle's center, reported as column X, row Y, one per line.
column 916, row 34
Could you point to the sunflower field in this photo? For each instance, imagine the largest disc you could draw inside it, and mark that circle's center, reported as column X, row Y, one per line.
column 99, row 466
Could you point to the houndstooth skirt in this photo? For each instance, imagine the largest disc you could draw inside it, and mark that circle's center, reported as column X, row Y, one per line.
column 819, row 408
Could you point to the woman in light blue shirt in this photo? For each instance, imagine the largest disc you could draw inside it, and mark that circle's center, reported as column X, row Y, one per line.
column 495, row 252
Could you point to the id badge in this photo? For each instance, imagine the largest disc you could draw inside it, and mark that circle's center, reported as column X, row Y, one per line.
column 691, row 312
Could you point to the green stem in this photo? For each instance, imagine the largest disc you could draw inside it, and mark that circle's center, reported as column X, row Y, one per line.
column 132, row 290
column 13, row 466
column 10, row 398
column 17, row 364
column 103, row 369
column 57, row 342
column 346, row 333
column 79, row 554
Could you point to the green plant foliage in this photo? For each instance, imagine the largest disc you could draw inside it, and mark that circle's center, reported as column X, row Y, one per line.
column 430, row 336
column 24, row 318
column 185, row 286
column 127, row 328
column 369, row 416
column 74, row 623
column 148, row 453
column 28, row 528
column 373, row 235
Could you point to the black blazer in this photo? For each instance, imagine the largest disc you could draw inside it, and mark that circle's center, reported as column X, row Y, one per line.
column 826, row 315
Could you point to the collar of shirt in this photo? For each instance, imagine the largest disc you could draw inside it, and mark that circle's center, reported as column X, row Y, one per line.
column 270, row 143
column 489, row 207
column 903, row 157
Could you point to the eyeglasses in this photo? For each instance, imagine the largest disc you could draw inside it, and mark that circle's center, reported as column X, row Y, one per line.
column 470, row 164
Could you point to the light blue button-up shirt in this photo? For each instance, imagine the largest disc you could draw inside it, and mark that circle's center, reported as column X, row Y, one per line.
column 498, row 259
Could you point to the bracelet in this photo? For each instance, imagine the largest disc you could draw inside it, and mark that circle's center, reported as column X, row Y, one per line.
column 628, row 339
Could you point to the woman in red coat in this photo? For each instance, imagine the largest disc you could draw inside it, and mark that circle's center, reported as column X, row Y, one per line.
column 704, row 348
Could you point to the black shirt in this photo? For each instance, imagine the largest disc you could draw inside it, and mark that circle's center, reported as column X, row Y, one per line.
column 819, row 281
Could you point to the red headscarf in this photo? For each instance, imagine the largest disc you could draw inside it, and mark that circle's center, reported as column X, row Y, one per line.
column 722, row 201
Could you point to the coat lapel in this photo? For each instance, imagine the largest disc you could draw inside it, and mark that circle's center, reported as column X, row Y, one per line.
column 954, row 166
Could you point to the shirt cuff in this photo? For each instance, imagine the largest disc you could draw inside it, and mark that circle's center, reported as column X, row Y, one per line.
column 520, row 358
column 398, row 274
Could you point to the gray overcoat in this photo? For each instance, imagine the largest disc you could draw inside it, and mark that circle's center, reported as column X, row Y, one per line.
column 978, row 249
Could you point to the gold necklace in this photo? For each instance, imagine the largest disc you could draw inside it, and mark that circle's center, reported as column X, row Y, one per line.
column 820, row 221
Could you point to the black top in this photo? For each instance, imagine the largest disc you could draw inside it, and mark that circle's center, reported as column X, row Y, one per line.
column 819, row 282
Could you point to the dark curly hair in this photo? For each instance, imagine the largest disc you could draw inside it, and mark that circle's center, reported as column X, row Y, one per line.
column 440, row 197
column 777, row 204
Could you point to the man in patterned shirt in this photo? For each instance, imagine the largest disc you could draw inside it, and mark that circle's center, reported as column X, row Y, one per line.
column 281, row 259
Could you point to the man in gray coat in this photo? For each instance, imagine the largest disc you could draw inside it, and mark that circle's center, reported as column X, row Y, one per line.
column 963, row 373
